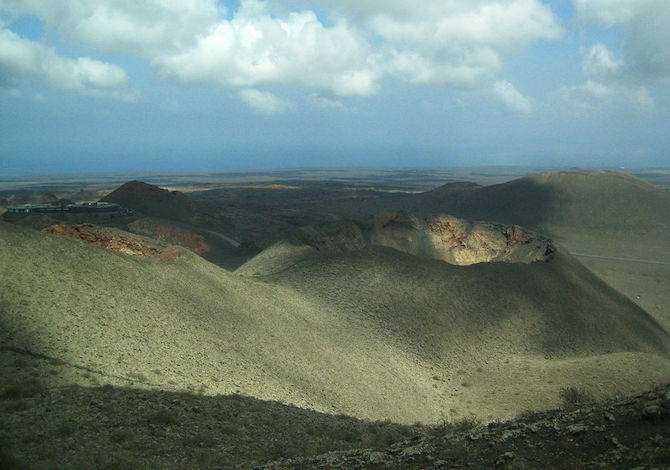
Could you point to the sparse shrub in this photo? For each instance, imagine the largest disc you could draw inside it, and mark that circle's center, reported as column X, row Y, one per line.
column 57, row 362
column 26, row 389
column 446, row 427
column 280, row 450
column 662, row 458
column 529, row 415
column 105, row 461
column 382, row 434
column 16, row 405
column 200, row 440
column 573, row 396
column 519, row 464
column 138, row 377
column 339, row 434
column 20, row 363
column 162, row 417
column 120, row 435
column 230, row 428
column 66, row 429
column 8, row 461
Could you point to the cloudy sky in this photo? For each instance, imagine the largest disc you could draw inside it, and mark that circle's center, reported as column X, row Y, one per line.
column 202, row 85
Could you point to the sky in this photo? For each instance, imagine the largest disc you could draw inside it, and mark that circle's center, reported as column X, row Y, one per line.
column 207, row 85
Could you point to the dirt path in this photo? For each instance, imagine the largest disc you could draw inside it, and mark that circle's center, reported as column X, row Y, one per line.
column 235, row 243
column 615, row 258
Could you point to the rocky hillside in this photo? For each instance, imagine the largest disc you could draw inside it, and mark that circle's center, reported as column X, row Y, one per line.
column 458, row 241
column 632, row 432
column 115, row 240
column 440, row 237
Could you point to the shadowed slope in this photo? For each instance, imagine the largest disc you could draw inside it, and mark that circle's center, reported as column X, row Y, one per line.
column 502, row 320
column 107, row 427
column 171, row 205
column 604, row 213
column 152, row 200
column 556, row 308
column 375, row 333
column 498, row 337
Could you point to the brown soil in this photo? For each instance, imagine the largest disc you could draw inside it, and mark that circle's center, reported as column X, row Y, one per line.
column 113, row 240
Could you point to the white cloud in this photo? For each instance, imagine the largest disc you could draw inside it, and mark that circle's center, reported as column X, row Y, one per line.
column 644, row 25
column 438, row 24
column 449, row 42
column 142, row 27
column 22, row 59
column 593, row 94
column 595, row 89
column 19, row 58
column 599, row 61
column 443, row 42
column 81, row 73
column 609, row 12
column 255, row 49
column 326, row 103
column 511, row 97
column 641, row 98
column 645, row 64
column 470, row 69
column 264, row 102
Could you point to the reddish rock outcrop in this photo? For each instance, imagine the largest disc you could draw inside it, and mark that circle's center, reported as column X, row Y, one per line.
column 113, row 240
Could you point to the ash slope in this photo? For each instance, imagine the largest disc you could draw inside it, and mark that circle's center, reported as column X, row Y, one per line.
column 373, row 333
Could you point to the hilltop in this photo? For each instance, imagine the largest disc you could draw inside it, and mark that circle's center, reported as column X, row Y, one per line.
column 578, row 208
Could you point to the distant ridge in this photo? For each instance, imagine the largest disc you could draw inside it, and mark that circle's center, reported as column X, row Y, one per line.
column 585, row 197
